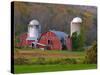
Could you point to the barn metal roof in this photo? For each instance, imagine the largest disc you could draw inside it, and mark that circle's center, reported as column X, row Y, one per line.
column 60, row 34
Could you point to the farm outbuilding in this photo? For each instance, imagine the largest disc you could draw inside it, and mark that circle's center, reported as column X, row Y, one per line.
column 23, row 40
column 53, row 40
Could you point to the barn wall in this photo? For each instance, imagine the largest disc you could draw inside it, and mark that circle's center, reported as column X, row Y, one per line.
column 23, row 41
column 55, row 43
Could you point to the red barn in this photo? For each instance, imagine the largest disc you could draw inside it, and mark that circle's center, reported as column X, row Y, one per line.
column 53, row 40
column 50, row 41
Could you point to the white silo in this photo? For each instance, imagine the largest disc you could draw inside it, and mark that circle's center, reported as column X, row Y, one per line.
column 34, row 29
column 76, row 25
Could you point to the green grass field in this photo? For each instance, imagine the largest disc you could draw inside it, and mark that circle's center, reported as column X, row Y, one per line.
column 48, row 68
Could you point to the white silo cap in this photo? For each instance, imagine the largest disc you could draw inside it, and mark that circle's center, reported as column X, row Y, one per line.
column 77, row 20
column 34, row 22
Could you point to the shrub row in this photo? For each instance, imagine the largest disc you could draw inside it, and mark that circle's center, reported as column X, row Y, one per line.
column 43, row 61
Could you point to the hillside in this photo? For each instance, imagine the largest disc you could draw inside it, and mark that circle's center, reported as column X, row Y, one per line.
column 56, row 17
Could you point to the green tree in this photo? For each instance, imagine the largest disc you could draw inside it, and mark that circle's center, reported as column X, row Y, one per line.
column 74, row 40
column 78, row 40
column 81, row 39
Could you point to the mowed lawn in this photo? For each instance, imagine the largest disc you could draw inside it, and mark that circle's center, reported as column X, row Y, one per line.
column 34, row 53
column 48, row 68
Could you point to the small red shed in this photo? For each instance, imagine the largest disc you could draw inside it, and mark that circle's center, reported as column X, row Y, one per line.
column 24, row 41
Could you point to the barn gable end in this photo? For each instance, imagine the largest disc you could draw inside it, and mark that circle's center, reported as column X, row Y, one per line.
column 51, row 41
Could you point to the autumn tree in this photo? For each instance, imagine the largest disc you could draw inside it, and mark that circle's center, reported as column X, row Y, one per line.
column 91, row 54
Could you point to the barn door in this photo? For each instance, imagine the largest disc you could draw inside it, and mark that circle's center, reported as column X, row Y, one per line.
column 50, row 44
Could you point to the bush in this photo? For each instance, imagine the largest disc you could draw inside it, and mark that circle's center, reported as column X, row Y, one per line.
column 22, row 61
column 91, row 54
column 70, row 61
column 43, row 61
column 40, row 60
column 62, row 61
